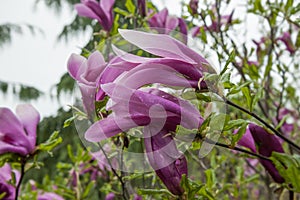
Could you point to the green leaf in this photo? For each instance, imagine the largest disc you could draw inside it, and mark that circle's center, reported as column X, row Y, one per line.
column 238, row 88
column 229, row 60
column 298, row 40
column 155, row 191
column 88, row 189
column 203, row 35
column 258, row 5
column 257, row 96
column 191, row 188
column 288, row 5
column 121, row 11
column 51, row 143
column 248, row 97
column 8, row 157
column 203, row 97
column 68, row 122
column 130, row 6
column 234, row 124
column 288, row 167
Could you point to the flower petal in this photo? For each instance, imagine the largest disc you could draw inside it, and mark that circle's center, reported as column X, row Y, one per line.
column 171, row 24
column 30, row 118
column 86, row 11
column 267, row 143
column 158, row 44
column 111, row 126
column 12, row 130
column 74, row 63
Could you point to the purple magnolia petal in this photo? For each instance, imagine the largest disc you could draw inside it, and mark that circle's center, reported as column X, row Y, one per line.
column 107, row 6
column 74, row 63
column 157, row 44
column 195, row 31
column 247, row 141
column 183, row 29
column 30, row 118
column 130, row 101
column 93, row 68
column 169, row 174
column 113, row 69
column 85, row 11
column 142, row 7
column 110, row 196
column 49, row 196
column 5, row 186
column 171, row 24
column 12, row 131
column 194, row 6
column 166, row 46
column 88, row 98
column 109, row 127
column 158, row 20
column 137, row 197
column 131, row 58
column 153, row 73
column 267, row 143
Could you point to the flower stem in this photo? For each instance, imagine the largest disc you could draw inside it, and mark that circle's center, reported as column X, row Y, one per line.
column 276, row 132
column 23, row 162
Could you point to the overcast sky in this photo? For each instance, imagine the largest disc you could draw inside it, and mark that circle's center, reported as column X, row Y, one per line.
column 39, row 60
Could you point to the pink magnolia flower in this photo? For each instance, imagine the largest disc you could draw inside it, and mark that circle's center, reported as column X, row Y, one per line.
column 110, row 196
column 86, row 73
column 194, row 6
column 158, row 111
column 287, row 40
column 266, row 144
column 49, row 196
column 142, row 7
column 166, row 23
column 5, row 178
column 42, row 195
column 288, row 126
column 18, row 132
column 225, row 20
column 101, row 11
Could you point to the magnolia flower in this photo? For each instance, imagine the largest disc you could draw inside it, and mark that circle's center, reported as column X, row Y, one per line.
column 266, row 143
column 42, row 195
column 142, row 7
column 110, row 196
column 49, row 196
column 158, row 111
column 18, row 132
column 166, row 23
column 178, row 65
column 5, row 178
column 86, row 73
column 100, row 11
column 194, row 6
column 142, row 112
column 225, row 20
column 287, row 40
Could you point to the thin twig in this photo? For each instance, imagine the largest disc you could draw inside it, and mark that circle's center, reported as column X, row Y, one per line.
column 23, row 162
column 276, row 132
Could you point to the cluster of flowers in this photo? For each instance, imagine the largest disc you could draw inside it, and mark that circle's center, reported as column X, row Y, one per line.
column 132, row 105
column 18, row 136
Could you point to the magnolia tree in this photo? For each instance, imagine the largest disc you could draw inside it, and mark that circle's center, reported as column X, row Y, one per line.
column 198, row 106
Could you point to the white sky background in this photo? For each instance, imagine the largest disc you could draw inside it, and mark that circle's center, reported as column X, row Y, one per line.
column 39, row 60
column 36, row 60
